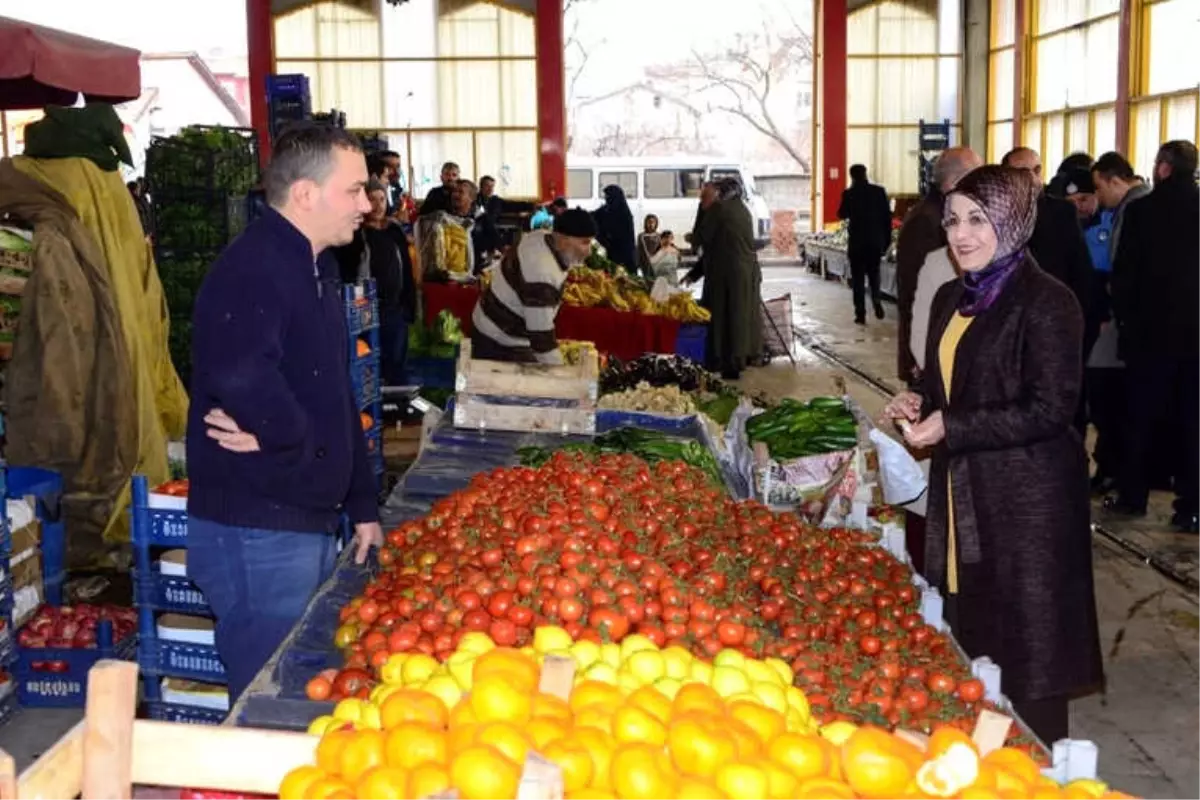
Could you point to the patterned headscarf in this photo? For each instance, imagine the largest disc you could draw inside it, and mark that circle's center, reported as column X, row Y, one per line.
column 1008, row 196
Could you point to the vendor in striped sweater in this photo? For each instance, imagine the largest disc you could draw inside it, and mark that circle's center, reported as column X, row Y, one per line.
column 514, row 318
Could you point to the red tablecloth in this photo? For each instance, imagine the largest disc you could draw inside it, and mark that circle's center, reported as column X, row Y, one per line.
column 624, row 334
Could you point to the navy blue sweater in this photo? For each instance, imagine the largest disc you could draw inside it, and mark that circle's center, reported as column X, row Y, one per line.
column 269, row 346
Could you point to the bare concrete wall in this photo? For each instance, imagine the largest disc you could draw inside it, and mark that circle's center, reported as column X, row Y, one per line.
column 976, row 38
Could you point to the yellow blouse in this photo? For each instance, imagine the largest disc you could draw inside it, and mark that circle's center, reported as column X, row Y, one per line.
column 947, row 348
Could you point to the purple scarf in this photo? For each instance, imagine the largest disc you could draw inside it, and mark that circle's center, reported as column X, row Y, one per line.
column 1008, row 197
column 980, row 289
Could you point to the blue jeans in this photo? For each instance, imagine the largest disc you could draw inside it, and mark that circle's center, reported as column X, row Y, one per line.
column 258, row 583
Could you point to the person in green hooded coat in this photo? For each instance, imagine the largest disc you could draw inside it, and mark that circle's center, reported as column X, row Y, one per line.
column 724, row 234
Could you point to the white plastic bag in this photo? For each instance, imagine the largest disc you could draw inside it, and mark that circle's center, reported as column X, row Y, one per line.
column 901, row 476
column 662, row 290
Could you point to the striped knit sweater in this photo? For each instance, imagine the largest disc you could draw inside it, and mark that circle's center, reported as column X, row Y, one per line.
column 514, row 318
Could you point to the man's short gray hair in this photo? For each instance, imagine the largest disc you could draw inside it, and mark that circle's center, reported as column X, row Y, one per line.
column 465, row 185
column 304, row 152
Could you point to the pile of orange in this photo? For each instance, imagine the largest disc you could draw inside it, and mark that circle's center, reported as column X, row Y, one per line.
column 607, row 743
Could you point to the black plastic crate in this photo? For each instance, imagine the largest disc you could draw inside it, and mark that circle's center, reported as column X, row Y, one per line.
column 203, row 158
column 194, row 221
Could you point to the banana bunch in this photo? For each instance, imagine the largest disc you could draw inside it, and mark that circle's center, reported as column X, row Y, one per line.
column 573, row 351
column 683, row 307
column 579, row 294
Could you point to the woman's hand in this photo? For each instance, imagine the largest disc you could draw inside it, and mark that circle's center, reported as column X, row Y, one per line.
column 927, row 433
column 905, row 406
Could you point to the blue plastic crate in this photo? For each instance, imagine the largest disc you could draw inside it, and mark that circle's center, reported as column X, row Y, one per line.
column 155, row 527
column 166, row 658
column 177, row 712
column 362, row 307
column 691, row 342
column 374, row 440
column 160, row 592
column 42, row 683
column 8, row 648
column 430, row 373
column 291, row 84
column 46, row 486
column 364, row 378
column 9, row 706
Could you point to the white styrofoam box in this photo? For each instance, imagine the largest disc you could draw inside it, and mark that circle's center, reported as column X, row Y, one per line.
column 931, row 606
column 20, row 513
column 25, row 602
column 858, row 515
column 988, row 672
column 893, row 542
column 167, row 502
column 1073, row 760
column 186, row 629
column 191, row 693
column 174, row 563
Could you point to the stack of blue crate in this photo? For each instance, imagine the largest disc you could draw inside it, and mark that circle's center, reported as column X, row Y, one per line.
column 366, row 378
column 288, row 100
column 8, row 637
column 159, row 525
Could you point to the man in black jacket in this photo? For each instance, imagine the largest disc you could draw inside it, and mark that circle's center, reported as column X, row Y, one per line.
column 865, row 206
column 439, row 197
column 1155, row 285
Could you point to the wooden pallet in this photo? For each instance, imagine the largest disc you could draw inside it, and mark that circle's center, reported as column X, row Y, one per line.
column 109, row 752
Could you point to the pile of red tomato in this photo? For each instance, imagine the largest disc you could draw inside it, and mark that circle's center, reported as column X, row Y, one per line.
column 606, row 546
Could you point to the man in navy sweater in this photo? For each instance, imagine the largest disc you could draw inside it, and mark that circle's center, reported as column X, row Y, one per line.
column 276, row 453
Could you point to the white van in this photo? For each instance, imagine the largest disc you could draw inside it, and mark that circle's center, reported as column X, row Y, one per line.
column 667, row 187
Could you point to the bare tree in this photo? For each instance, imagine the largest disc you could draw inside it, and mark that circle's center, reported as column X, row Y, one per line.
column 746, row 80
column 578, row 54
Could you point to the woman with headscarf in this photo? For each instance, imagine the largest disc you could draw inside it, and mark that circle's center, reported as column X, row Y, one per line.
column 614, row 228
column 724, row 234
column 1007, row 536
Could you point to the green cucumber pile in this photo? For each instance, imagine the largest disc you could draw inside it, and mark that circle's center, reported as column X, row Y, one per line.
column 794, row 430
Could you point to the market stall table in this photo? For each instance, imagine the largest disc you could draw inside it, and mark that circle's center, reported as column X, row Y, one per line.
column 624, row 334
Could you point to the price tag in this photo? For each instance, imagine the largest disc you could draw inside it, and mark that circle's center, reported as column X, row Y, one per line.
column 991, row 731
column 540, row 779
column 558, row 676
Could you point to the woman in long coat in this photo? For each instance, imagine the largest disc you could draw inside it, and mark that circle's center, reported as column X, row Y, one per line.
column 732, row 281
column 614, row 228
column 1008, row 538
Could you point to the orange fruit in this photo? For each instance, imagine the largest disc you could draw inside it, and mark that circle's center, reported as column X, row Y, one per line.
column 698, row 697
column 638, row 772
column 824, row 789
column 596, row 717
column 600, row 747
column 1018, row 762
column 482, row 771
column 877, row 764
column 428, row 779
column 506, row 662
column 803, row 756
column 413, row 705
column 978, row 793
column 361, row 348
column 329, row 750
column 295, row 784
column 944, row 736
column 697, row 747
column 382, row 783
column 652, row 700
column 766, row 722
column 589, row 794
column 781, row 783
column 740, row 779
column 510, row 740
column 575, row 762
column 413, row 743
column 698, row 789
column 461, row 737
column 548, row 706
column 495, row 698
column 595, row 693
column 364, row 750
column 634, row 724
column 543, row 730
column 749, row 745
column 330, row 789
column 462, row 714
column 1049, row 793
column 1005, row 780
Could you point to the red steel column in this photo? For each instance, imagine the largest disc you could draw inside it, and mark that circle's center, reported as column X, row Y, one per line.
column 551, row 99
column 833, row 107
column 260, row 55
column 1020, row 9
column 1124, row 49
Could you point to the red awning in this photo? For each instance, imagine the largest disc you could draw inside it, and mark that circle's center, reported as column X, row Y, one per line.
column 43, row 66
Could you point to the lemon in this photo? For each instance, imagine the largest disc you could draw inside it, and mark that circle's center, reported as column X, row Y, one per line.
column 585, row 653
column 476, row 643
column 786, row 675
column 1086, row 786
column 318, row 726
column 728, row 681
column 795, row 722
column 797, row 701
column 646, row 665
column 602, row 671
column 461, row 667
column 392, row 671
column 770, row 695
column 382, row 692
column 529, row 651
column 444, row 687
column 678, row 662
column 551, row 637
column 635, row 643
column 349, row 709
column 702, row 672
column 759, row 672
column 610, row 653
column 370, row 718
column 838, row 732
column 669, row 686
column 418, row 667
column 628, row 682
column 729, row 658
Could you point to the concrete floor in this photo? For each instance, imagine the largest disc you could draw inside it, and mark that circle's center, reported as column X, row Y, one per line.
column 1145, row 723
